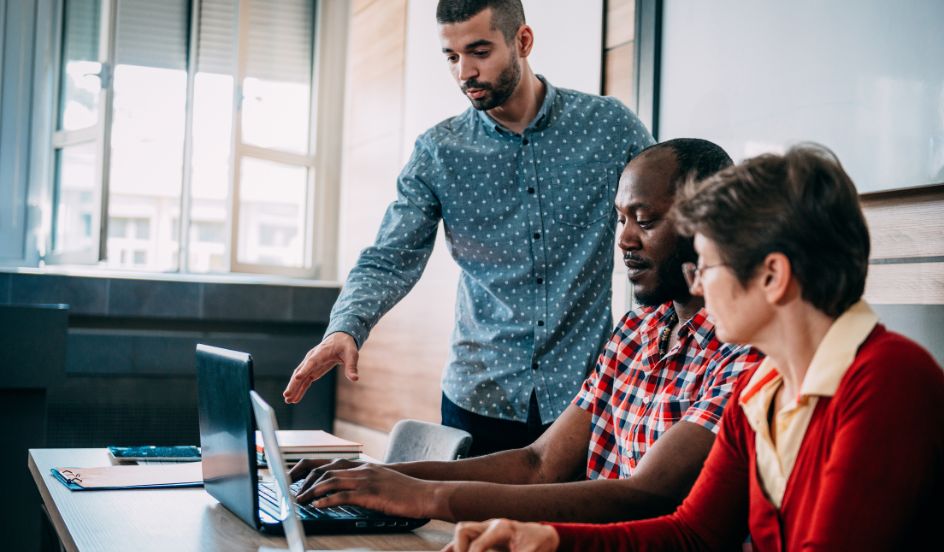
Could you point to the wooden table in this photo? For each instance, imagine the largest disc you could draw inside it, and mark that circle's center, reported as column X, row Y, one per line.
column 179, row 520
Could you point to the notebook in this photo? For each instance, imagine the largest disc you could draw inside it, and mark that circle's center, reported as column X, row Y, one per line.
column 230, row 470
column 111, row 478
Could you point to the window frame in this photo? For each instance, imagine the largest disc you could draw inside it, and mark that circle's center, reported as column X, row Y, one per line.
column 99, row 134
column 322, row 159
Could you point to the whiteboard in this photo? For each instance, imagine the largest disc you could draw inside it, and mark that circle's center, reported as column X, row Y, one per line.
column 863, row 77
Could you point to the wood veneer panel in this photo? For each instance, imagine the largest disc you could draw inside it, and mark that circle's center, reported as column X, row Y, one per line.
column 619, row 74
column 906, row 284
column 906, row 226
column 620, row 22
column 375, row 72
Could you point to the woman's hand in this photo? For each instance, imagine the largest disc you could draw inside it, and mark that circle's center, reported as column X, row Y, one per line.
column 503, row 534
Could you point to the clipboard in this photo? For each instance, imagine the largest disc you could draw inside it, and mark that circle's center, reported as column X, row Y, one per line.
column 112, row 478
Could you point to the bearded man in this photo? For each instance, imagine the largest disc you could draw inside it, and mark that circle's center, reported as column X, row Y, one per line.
column 524, row 183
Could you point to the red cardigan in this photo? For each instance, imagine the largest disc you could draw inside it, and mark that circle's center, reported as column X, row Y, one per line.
column 869, row 474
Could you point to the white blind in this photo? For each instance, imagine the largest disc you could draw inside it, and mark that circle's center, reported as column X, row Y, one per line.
column 81, row 29
column 152, row 33
column 280, row 40
column 217, row 42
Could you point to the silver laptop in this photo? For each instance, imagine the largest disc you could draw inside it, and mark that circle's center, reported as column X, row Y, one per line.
column 267, row 424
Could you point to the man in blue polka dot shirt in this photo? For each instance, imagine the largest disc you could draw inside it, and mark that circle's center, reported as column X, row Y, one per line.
column 524, row 183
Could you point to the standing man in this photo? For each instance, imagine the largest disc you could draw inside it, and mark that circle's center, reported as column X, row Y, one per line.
column 524, row 183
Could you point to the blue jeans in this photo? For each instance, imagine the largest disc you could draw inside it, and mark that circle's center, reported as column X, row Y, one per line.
column 493, row 434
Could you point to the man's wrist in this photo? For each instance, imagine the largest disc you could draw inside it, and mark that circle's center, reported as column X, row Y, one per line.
column 349, row 325
column 439, row 500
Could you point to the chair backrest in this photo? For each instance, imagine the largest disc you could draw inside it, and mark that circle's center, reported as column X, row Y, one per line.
column 415, row 440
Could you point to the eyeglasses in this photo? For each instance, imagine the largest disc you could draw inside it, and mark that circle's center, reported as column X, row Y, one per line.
column 693, row 272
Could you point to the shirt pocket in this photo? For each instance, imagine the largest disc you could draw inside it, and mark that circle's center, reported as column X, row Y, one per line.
column 582, row 195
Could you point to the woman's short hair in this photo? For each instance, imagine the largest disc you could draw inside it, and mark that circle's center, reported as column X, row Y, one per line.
column 801, row 204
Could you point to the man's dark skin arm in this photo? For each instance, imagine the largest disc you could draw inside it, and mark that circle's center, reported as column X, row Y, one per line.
column 558, row 455
column 534, row 485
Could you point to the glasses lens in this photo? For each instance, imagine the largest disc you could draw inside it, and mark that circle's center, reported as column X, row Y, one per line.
column 689, row 270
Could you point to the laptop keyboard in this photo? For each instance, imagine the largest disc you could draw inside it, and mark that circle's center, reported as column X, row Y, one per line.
column 269, row 503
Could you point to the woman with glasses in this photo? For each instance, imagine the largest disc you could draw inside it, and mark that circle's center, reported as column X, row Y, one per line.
column 836, row 441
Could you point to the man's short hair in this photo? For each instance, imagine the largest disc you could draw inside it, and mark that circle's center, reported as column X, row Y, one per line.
column 507, row 15
column 695, row 158
column 801, row 204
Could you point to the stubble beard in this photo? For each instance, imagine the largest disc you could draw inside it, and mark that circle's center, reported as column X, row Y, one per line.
column 501, row 90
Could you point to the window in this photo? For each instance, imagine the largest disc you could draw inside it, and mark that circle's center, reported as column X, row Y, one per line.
column 185, row 131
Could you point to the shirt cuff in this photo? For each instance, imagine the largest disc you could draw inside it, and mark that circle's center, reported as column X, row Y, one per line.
column 584, row 400
column 707, row 414
column 350, row 325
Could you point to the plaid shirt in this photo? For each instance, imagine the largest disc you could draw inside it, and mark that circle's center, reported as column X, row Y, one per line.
column 635, row 396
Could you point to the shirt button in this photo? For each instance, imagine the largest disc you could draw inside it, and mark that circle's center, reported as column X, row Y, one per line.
column 645, row 400
column 540, row 322
column 525, row 141
column 530, row 190
column 537, row 235
column 534, row 365
column 540, row 280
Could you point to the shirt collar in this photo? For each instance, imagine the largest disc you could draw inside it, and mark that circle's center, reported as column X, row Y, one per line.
column 832, row 358
column 541, row 120
column 699, row 326
column 838, row 349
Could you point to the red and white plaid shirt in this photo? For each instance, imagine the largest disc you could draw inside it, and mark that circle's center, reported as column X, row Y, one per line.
column 635, row 396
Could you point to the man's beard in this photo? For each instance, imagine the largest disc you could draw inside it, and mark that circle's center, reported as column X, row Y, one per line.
column 500, row 91
column 670, row 282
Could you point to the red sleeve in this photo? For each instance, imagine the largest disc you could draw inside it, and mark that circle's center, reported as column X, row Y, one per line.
column 885, row 466
column 712, row 517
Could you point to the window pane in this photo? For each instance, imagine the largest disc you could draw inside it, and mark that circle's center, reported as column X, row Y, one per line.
column 147, row 140
column 75, row 198
column 276, row 88
column 210, row 171
column 79, row 86
column 272, row 213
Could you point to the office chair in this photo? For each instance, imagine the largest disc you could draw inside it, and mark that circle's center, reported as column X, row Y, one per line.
column 415, row 440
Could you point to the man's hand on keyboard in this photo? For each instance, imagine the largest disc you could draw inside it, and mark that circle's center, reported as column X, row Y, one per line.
column 311, row 470
column 374, row 487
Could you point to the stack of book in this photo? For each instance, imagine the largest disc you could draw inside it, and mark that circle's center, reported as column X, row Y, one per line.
column 310, row 444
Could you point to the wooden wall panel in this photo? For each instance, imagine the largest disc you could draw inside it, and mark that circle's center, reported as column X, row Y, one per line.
column 907, row 231
column 910, row 225
column 619, row 63
column 620, row 22
column 375, row 70
column 906, row 284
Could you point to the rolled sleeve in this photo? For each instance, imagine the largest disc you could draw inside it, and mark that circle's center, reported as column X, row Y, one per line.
column 714, row 393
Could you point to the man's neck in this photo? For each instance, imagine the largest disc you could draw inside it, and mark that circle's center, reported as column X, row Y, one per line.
column 522, row 106
column 687, row 309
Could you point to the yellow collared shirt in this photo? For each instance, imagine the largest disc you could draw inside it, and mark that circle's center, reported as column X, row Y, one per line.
column 832, row 359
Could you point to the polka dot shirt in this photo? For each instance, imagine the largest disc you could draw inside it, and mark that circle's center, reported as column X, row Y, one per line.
column 529, row 219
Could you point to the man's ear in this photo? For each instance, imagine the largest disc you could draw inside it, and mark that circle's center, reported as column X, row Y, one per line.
column 776, row 278
column 524, row 41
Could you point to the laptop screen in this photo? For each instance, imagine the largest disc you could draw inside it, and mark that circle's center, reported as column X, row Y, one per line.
column 268, row 426
column 227, row 437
